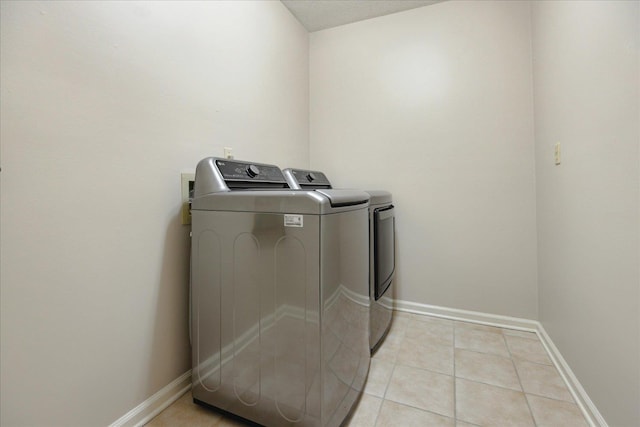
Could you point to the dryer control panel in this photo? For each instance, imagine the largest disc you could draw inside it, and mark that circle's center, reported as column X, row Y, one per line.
column 306, row 179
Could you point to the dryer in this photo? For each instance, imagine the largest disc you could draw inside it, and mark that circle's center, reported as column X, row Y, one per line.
column 381, row 248
column 279, row 296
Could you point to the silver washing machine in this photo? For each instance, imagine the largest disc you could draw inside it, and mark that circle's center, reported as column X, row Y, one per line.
column 381, row 248
column 279, row 296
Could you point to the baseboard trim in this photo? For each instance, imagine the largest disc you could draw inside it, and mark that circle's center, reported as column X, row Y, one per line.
column 467, row 316
column 144, row 412
column 579, row 394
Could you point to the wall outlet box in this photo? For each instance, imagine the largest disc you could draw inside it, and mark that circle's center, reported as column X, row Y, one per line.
column 187, row 181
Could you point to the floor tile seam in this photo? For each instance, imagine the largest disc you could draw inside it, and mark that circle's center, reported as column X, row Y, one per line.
column 427, row 346
column 378, row 396
column 430, row 332
column 419, row 408
column 430, row 319
column 489, row 384
column 534, row 338
column 520, row 382
column 429, row 323
column 432, row 324
column 480, row 333
column 417, row 343
column 470, row 329
column 561, row 401
column 427, row 316
column 546, row 353
column 553, row 398
column 479, row 327
column 418, row 334
column 522, row 359
column 404, row 365
column 492, row 385
column 375, row 420
column 386, row 387
column 561, row 367
column 424, row 369
column 474, row 424
column 526, row 396
column 482, row 352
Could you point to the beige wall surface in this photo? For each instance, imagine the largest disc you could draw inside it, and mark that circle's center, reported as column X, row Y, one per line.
column 586, row 91
column 103, row 104
column 435, row 105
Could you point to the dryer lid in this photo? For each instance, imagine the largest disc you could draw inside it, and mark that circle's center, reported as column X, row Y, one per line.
column 379, row 197
column 339, row 198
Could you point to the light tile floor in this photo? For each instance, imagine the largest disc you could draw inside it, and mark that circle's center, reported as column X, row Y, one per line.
column 436, row 372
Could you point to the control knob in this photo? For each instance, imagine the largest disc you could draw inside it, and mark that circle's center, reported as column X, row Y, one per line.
column 253, row 171
column 311, row 177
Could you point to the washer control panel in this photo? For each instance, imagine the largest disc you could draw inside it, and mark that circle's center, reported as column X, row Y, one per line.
column 233, row 170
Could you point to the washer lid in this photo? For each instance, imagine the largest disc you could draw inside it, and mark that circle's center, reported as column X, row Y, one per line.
column 339, row 198
column 281, row 201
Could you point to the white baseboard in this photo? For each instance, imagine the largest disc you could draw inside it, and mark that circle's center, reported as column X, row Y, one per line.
column 144, row 412
column 467, row 316
column 581, row 397
column 579, row 394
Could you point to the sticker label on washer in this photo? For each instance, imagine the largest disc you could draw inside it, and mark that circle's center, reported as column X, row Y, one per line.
column 293, row 220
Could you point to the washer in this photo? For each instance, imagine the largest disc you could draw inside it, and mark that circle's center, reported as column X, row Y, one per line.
column 279, row 296
column 381, row 249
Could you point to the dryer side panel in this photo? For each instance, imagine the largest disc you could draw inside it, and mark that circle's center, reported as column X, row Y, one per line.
column 345, row 311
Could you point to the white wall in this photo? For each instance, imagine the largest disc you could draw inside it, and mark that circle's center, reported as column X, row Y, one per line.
column 435, row 105
column 103, row 104
column 586, row 91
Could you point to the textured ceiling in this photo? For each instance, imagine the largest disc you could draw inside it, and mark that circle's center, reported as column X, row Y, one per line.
column 320, row 14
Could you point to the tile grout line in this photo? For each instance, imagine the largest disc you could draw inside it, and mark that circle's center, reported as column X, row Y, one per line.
column 573, row 385
column 408, row 405
column 386, row 387
column 493, row 385
column 375, row 419
column 395, row 365
column 506, row 343
column 452, row 375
